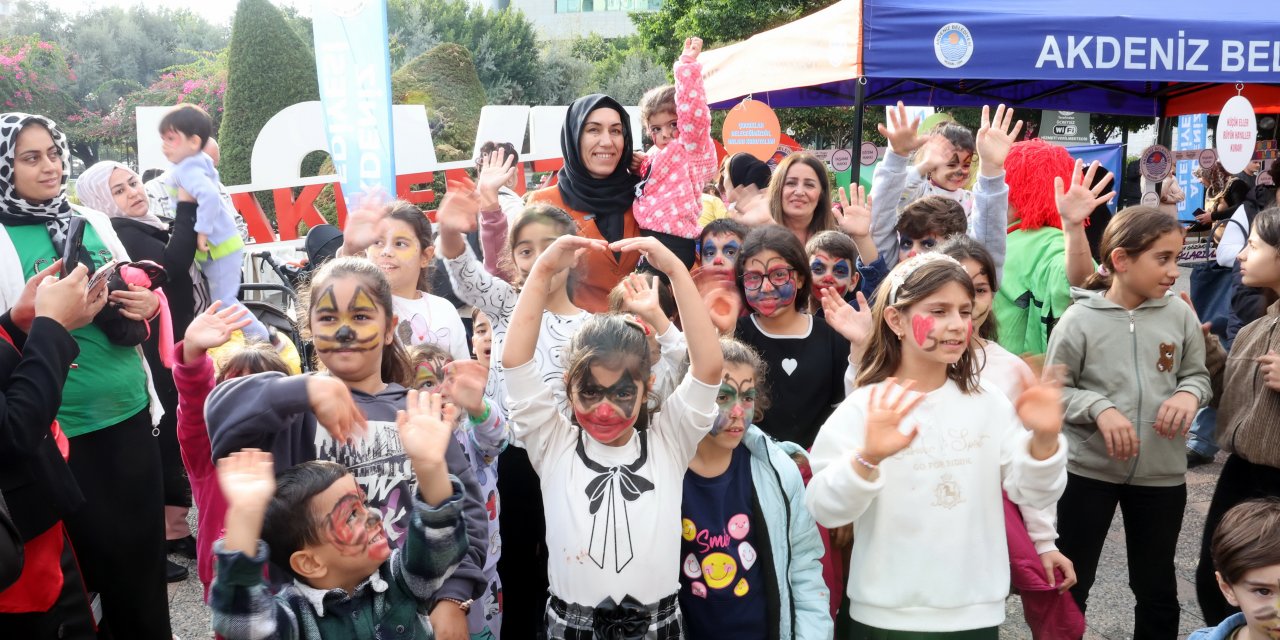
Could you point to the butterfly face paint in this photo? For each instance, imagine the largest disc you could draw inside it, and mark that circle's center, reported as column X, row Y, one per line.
column 606, row 412
column 736, row 401
column 354, row 529
column 830, row 273
column 769, row 283
column 429, row 374
column 357, row 329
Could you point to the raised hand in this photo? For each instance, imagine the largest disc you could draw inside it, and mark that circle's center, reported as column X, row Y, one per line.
column 562, row 254
column 935, row 152
column 464, row 382
column 640, row 296
column 247, row 479
column 995, row 138
column 499, row 169
column 1040, row 409
column 67, row 301
column 889, row 405
column 1176, row 414
column 903, row 132
column 212, row 329
column 854, row 325
column 1118, row 433
column 1076, row 204
column 692, row 47
column 426, row 427
column 654, row 252
column 334, row 408
column 751, row 206
column 459, row 209
column 364, row 225
column 854, row 214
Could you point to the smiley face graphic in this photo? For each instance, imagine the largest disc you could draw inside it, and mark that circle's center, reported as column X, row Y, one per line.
column 691, row 567
column 741, row 588
column 739, row 526
column 719, row 570
column 687, row 529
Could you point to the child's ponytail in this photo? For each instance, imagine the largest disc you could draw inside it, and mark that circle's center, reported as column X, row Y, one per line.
column 1134, row 230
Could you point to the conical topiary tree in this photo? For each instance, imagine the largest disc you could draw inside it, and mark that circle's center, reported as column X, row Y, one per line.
column 269, row 68
column 444, row 80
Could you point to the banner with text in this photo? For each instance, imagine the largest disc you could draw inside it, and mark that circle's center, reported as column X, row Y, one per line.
column 1191, row 136
column 355, row 91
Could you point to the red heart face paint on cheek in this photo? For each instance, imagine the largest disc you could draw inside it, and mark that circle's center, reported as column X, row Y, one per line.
column 922, row 328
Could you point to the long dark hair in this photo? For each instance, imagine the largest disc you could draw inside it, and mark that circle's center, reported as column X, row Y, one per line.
column 781, row 241
column 1133, row 229
column 395, row 360
column 884, row 350
column 410, row 214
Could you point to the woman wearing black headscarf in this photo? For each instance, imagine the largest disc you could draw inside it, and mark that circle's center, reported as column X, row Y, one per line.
column 596, row 187
column 107, row 402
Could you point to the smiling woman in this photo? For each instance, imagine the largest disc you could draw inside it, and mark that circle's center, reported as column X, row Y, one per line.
column 800, row 196
column 596, row 187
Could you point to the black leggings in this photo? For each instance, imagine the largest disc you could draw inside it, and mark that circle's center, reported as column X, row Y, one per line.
column 1240, row 480
column 119, row 532
column 1152, row 520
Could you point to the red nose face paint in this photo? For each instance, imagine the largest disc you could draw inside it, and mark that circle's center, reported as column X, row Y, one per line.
column 603, row 422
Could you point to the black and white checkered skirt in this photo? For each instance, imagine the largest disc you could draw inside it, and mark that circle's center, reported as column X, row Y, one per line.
column 577, row 622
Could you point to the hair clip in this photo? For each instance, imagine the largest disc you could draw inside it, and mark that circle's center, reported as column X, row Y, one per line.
column 1103, row 270
column 899, row 275
column 637, row 323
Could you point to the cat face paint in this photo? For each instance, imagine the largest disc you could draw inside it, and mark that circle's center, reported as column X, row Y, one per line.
column 606, row 406
column 769, row 283
column 736, row 401
column 358, row 329
column 830, row 273
column 354, row 529
column 429, row 374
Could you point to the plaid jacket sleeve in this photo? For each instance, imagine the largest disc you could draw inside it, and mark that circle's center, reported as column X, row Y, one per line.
column 436, row 544
column 243, row 608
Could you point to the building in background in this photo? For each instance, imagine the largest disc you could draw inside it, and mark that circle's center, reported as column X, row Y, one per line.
column 564, row 19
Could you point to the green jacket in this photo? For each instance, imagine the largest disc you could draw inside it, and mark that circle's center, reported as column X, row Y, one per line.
column 1034, row 292
column 1132, row 361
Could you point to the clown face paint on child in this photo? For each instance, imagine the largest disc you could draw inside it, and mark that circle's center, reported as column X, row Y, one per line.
column 606, row 402
column 429, row 375
column 830, row 273
column 769, row 283
column 352, row 527
column 720, row 250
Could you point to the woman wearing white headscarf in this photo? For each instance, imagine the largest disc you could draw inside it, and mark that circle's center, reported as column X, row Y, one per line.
column 116, row 190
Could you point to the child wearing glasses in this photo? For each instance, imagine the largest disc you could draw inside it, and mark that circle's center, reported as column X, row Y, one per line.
column 806, row 358
column 682, row 160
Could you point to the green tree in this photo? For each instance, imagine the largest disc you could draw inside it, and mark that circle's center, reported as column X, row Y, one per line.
column 444, row 80
column 1103, row 126
column 268, row 68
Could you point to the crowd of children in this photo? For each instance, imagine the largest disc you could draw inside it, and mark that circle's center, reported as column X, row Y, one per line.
column 799, row 414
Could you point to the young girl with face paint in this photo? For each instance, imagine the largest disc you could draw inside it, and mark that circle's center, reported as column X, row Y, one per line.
column 918, row 466
column 1135, row 377
column 482, row 433
column 807, row 357
column 612, row 483
column 1248, row 403
column 404, row 252
column 347, row 414
column 744, row 507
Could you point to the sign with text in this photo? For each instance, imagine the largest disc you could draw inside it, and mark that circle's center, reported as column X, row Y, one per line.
column 1192, row 137
column 1067, row 128
column 1236, row 133
column 752, row 127
column 355, row 91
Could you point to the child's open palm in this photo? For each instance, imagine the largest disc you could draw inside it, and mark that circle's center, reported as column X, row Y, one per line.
column 902, row 132
column 464, row 385
column 459, row 208
column 853, row 324
column 426, row 427
column 889, row 405
column 214, row 327
column 1077, row 201
column 854, row 214
column 995, row 137
column 247, row 479
column 692, row 47
column 641, row 298
column 1039, row 406
column 499, row 169
column 751, row 207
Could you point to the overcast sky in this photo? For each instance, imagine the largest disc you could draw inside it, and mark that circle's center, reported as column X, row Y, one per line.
column 216, row 11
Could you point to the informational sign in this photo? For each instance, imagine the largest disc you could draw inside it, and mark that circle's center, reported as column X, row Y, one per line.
column 1191, row 136
column 355, row 92
column 1207, row 157
column 869, row 154
column 1067, row 128
column 1155, row 163
column 841, row 159
column 1236, row 133
column 751, row 127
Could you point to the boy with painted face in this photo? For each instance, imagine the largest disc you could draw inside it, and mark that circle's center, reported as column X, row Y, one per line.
column 611, row 477
column 836, row 268
column 1246, row 553
column 751, row 552
column 313, row 522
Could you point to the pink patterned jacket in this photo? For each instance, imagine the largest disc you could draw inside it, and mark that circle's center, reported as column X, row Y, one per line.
column 670, row 200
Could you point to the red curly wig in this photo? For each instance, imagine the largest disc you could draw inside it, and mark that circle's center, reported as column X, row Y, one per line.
column 1029, row 171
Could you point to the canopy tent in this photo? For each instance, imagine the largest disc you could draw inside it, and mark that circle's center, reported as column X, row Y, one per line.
column 1073, row 55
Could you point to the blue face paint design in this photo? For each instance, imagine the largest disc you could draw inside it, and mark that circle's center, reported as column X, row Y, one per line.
column 830, row 274
column 723, row 253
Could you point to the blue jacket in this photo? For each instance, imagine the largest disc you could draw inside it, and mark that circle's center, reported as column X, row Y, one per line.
column 1220, row 632
column 804, row 602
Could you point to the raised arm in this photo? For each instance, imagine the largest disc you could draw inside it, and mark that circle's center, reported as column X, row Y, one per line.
column 526, row 320
column 991, row 194
column 1076, row 203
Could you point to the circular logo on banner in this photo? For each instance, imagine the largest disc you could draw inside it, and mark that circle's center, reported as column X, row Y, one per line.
column 752, row 127
column 1156, row 162
column 347, row 8
column 1237, row 132
column 869, row 154
column 841, row 159
column 1150, row 199
column 953, row 45
column 1207, row 158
